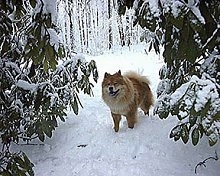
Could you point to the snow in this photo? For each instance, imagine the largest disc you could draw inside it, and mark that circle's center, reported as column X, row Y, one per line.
column 193, row 5
column 176, row 8
column 198, row 15
column 26, row 85
column 86, row 145
column 54, row 38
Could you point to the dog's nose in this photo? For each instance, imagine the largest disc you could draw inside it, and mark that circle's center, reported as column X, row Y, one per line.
column 110, row 89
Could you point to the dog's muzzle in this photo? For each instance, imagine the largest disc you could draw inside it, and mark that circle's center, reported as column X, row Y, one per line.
column 112, row 92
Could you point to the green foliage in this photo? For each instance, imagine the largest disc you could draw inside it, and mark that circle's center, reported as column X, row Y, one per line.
column 189, row 88
column 15, row 164
column 195, row 103
column 35, row 91
column 36, row 106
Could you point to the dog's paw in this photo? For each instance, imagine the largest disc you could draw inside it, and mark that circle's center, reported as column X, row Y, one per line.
column 116, row 129
column 146, row 113
column 131, row 126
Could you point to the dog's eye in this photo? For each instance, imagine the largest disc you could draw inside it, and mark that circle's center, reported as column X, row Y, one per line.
column 115, row 84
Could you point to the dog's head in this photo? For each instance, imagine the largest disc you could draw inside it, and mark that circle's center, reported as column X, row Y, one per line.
column 113, row 85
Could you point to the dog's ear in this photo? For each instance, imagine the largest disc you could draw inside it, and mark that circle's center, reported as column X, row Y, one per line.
column 106, row 75
column 119, row 72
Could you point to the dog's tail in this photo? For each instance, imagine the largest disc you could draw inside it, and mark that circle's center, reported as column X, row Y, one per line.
column 146, row 93
column 135, row 75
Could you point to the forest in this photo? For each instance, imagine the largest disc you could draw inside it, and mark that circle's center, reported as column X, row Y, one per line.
column 43, row 69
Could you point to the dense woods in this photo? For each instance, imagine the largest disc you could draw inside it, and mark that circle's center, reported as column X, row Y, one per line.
column 95, row 26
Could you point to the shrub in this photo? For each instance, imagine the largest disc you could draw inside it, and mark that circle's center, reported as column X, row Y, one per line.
column 39, row 79
column 189, row 89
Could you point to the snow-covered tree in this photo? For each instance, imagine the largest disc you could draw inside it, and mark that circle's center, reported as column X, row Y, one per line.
column 189, row 31
column 40, row 78
column 93, row 26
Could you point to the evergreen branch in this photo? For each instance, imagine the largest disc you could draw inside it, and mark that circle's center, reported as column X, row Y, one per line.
column 31, row 144
column 204, row 47
column 203, row 163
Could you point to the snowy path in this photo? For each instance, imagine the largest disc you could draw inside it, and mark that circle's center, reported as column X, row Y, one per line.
column 86, row 145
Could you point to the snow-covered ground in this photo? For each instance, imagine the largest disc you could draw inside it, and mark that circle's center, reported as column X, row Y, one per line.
column 86, row 145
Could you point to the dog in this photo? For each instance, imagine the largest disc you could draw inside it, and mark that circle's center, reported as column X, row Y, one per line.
column 124, row 94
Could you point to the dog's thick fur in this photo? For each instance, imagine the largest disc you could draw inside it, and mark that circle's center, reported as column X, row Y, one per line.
column 124, row 94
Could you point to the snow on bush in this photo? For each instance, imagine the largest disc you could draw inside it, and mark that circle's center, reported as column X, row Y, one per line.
column 30, row 108
column 34, row 92
column 189, row 88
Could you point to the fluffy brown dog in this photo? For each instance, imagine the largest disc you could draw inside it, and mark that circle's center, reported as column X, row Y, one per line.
column 124, row 94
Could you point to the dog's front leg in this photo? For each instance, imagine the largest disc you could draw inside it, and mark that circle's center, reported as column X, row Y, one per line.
column 116, row 119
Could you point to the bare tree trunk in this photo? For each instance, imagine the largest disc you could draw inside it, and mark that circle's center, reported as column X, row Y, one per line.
column 71, row 25
column 86, row 30
column 79, row 13
column 83, row 24
column 128, row 33
column 110, row 27
column 121, row 32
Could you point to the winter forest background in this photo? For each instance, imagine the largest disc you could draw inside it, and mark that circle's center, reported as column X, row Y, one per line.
column 95, row 26
column 42, row 67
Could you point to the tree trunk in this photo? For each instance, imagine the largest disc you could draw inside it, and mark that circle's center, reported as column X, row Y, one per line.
column 110, row 24
column 121, row 32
